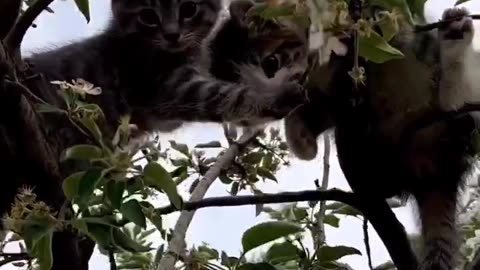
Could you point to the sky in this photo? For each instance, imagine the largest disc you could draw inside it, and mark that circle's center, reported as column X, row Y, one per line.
column 68, row 25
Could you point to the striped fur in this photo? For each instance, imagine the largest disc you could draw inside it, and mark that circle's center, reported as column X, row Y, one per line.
column 159, row 81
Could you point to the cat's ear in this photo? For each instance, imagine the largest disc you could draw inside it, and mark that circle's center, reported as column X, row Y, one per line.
column 238, row 10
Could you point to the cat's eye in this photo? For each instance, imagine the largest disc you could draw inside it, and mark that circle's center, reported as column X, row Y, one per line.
column 271, row 65
column 148, row 18
column 188, row 10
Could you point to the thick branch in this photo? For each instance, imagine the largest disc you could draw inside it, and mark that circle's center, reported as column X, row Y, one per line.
column 177, row 244
column 9, row 10
column 13, row 257
column 15, row 36
column 266, row 198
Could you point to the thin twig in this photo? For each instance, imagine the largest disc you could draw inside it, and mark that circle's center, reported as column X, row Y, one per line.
column 25, row 91
column 177, row 244
column 266, row 198
column 440, row 24
column 111, row 258
column 320, row 216
column 366, row 240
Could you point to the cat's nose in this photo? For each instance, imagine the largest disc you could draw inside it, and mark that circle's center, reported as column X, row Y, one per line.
column 172, row 36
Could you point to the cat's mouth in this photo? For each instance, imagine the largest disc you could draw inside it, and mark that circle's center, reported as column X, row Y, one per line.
column 177, row 46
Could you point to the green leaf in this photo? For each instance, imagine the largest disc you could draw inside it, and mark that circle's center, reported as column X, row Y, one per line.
column 34, row 231
column 159, row 254
column 256, row 266
column 267, row 161
column 100, row 234
column 265, row 173
column 180, row 171
column 389, row 28
column 180, row 162
column 114, row 191
column 71, row 185
column 82, row 151
column 390, row 4
column 84, row 7
column 332, row 220
column 417, row 7
column 212, row 144
column 108, row 220
column 88, row 183
column 133, row 212
column 282, row 252
column 334, row 206
column 376, row 49
column 90, row 124
column 268, row 231
column 328, row 253
column 235, row 188
column 253, row 158
column 155, row 175
column 211, row 254
column 227, row 261
column 299, row 213
column 347, row 210
column 122, row 241
column 225, row 179
column 42, row 250
column 180, row 147
column 47, row 108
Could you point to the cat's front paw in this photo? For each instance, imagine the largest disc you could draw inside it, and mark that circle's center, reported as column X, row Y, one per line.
column 457, row 34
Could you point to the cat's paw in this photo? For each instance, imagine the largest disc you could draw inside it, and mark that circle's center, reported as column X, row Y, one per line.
column 456, row 35
column 300, row 140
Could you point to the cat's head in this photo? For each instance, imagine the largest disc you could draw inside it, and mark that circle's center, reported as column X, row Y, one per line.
column 170, row 25
column 283, row 42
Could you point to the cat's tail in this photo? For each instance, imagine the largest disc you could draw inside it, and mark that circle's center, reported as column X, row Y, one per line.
column 438, row 214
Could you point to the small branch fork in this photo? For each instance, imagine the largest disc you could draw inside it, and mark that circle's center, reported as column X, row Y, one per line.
column 16, row 34
column 177, row 244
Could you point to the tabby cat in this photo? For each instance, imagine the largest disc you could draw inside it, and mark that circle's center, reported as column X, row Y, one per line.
column 147, row 64
column 269, row 47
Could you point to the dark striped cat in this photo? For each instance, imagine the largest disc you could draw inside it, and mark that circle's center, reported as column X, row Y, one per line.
column 268, row 47
column 382, row 149
column 147, row 63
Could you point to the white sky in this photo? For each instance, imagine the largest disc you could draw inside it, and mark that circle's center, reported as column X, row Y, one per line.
column 67, row 25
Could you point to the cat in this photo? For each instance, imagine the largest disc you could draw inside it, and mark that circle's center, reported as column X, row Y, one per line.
column 147, row 63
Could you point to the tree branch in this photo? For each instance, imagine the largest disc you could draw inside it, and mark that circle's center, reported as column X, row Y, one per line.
column 15, row 36
column 439, row 24
column 177, row 244
column 13, row 257
column 9, row 10
column 266, row 198
column 319, row 231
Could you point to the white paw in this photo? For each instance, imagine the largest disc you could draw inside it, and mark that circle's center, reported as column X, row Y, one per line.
column 456, row 35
